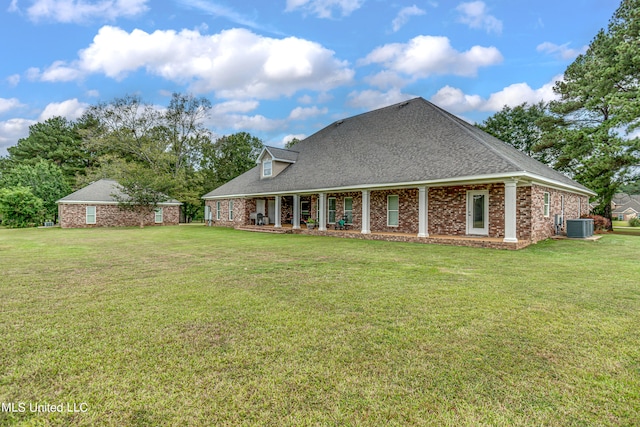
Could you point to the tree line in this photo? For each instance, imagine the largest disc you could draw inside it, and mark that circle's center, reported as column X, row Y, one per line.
column 153, row 153
column 589, row 132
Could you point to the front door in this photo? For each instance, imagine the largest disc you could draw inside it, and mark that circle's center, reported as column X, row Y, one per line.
column 478, row 212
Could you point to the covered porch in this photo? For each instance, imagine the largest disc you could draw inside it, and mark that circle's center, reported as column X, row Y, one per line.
column 485, row 214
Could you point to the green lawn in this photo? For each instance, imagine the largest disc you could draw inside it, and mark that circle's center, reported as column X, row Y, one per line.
column 192, row 326
column 622, row 227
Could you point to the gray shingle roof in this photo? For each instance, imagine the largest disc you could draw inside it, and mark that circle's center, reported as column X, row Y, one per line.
column 282, row 154
column 624, row 202
column 409, row 142
column 101, row 191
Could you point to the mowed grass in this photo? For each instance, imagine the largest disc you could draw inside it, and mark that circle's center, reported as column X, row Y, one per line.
column 193, row 326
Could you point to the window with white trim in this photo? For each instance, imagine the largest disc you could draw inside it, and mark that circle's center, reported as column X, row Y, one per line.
column 393, row 210
column 348, row 210
column 267, row 167
column 218, row 210
column 158, row 215
column 331, row 204
column 547, row 202
column 230, row 210
column 91, row 215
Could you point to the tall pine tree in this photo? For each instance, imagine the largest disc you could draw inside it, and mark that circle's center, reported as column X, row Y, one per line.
column 591, row 125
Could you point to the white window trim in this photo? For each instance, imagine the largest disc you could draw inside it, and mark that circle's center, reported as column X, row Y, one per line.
column 218, row 210
column 87, row 215
column 335, row 211
column 393, row 210
column 230, row 210
column 158, row 213
column 264, row 168
column 546, row 201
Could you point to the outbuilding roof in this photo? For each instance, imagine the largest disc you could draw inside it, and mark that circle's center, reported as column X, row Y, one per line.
column 102, row 192
column 413, row 142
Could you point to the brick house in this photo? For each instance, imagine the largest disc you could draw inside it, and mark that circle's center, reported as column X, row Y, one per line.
column 409, row 172
column 625, row 207
column 96, row 206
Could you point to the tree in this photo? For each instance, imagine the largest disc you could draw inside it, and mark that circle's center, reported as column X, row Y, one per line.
column 598, row 108
column 229, row 157
column 142, row 190
column 45, row 180
column 56, row 140
column 168, row 142
column 20, row 208
column 291, row 143
column 519, row 127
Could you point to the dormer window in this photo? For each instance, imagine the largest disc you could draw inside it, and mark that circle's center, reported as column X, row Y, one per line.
column 274, row 161
column 266, row 168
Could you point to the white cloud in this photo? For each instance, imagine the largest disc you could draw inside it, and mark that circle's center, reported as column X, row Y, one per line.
column 72, row 109
column 81, row 11
column 324, row 8
column 59, row 71
column 424, row 56
column 518, row 93
column 303, row 113
column 372, row 99
column 13, row 80
column 8, row 104
column 404, row 15
column 288, row 138
column 560, row 51
column 386, row 80
column 456, row 101
column 11, row 131
column 475, row 15
column 235, row 63
column 234, row 107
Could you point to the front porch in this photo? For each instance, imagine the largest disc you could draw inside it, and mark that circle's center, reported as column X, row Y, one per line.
column 468, row 241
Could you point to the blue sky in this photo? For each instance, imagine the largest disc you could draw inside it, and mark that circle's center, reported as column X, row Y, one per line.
column 285, row 68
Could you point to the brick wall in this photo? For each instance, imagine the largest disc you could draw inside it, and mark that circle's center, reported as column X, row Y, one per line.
column 241, row 211
column 74, row 216
column 543, row 227
column 447, row 210
column 407, row 211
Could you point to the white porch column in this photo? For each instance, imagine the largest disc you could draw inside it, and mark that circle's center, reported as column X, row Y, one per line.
column 278, row 212
column 423, row 212
column 510, row 210
column 366, row 215
column 296, row 212
column 322, row 211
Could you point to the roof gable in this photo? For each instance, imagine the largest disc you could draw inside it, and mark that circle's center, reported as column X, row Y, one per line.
column 278, row 155
column 409, row 142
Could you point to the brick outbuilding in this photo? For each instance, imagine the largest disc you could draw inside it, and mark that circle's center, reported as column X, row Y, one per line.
column 410, row 171
column 96, row 206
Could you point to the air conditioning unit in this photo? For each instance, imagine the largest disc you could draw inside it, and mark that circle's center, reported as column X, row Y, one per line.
column 580, row 228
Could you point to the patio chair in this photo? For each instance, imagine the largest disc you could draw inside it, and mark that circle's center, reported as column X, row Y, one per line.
column 342, row 224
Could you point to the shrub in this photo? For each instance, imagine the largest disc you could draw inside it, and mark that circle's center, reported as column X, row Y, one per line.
column 20, row 208
column 634, row 222
column 600, row 223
